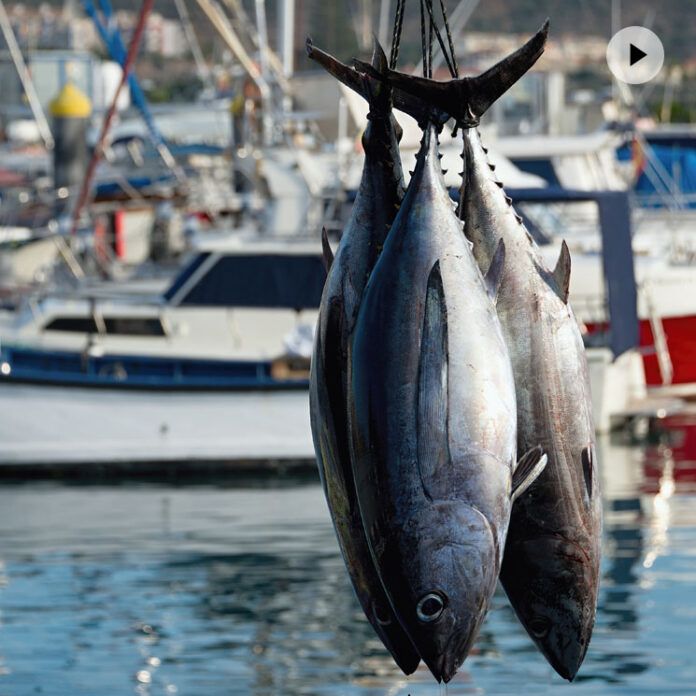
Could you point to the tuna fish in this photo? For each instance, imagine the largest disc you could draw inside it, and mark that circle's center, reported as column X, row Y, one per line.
column 378, row 199
column 434, row 423
column 551, row 563
column 551, row 566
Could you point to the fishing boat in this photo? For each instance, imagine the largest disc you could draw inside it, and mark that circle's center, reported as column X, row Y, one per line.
column 213, row 369
column 215, row 366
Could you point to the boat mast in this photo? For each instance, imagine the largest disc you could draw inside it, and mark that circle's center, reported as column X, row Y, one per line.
column 262, row 29
column 25, row 78
column 288, row 47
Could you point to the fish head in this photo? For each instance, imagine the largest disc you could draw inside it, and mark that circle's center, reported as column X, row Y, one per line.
column 553, row 586
column 444, row 590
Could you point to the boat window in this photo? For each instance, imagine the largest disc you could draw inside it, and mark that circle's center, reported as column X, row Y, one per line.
column 124, row 326
column 73, row 324
column 274, row 281
column 134, row 326
column 183, row 277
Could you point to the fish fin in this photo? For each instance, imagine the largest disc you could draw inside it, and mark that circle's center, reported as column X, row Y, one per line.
column 494, row 274
column 529, row 467
column 377, row 92
column 432, row 429
column 343, row 73
column 380, row 62
column 492, row 84
column 326, row 253
column 561, row 274
column 588, row 468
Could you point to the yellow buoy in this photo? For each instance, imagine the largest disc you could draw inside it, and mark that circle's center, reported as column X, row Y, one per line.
column 71, row 103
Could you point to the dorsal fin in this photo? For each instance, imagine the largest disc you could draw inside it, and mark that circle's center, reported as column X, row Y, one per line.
column 561, row 274
column 375, row 92
column 379, row 57
column 529, row 467
column 326, row 253
column 494, row 274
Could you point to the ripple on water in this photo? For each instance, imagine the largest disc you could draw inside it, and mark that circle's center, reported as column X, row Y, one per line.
column 205, row 590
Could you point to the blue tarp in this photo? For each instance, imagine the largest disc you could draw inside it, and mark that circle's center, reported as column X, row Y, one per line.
column 678, row 161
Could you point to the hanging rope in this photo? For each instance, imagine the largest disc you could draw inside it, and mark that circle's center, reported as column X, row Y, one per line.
column 430, row 46
column 424, row 40
column 449, row 39
column 429, row 7
column 396, row 34
column 426, row 37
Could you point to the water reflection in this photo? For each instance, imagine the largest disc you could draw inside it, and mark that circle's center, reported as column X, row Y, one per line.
column 203, row 590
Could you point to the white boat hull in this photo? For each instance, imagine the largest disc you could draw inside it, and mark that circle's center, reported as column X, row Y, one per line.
column 618, row 385
column 47, row 425
column 44, row 425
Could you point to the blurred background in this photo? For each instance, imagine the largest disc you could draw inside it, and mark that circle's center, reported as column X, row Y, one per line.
column 165, row 171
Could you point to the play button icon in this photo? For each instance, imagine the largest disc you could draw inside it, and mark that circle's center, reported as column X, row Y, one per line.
column 635, row 55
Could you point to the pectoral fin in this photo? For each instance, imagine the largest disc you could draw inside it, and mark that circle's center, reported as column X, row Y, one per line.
column 529, row 467
column 494, row 275
column 588, row 468
column 432, row 427
column 561, row 274
column 327, row 254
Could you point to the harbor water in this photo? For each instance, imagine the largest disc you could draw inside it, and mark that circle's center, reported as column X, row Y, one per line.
column 238, row 588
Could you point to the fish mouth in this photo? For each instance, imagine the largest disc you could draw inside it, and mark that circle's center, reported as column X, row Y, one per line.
column 568, row 660
column 453, row 656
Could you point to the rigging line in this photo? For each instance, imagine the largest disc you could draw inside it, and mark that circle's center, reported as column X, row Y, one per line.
column 25, row 78
column 429, row 6
column 131, row 55
column 194, row 46
column 443, row 9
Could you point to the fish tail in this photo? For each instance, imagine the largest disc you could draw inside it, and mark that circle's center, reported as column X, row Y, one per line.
column 492, row 84
column 464, row 99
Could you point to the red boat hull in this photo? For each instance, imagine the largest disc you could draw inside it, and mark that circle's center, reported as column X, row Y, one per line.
column 680, row 334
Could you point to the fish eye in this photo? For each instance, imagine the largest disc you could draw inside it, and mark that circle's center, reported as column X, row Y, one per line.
column 430, row 607
column 382, row 616
column 539, row 627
